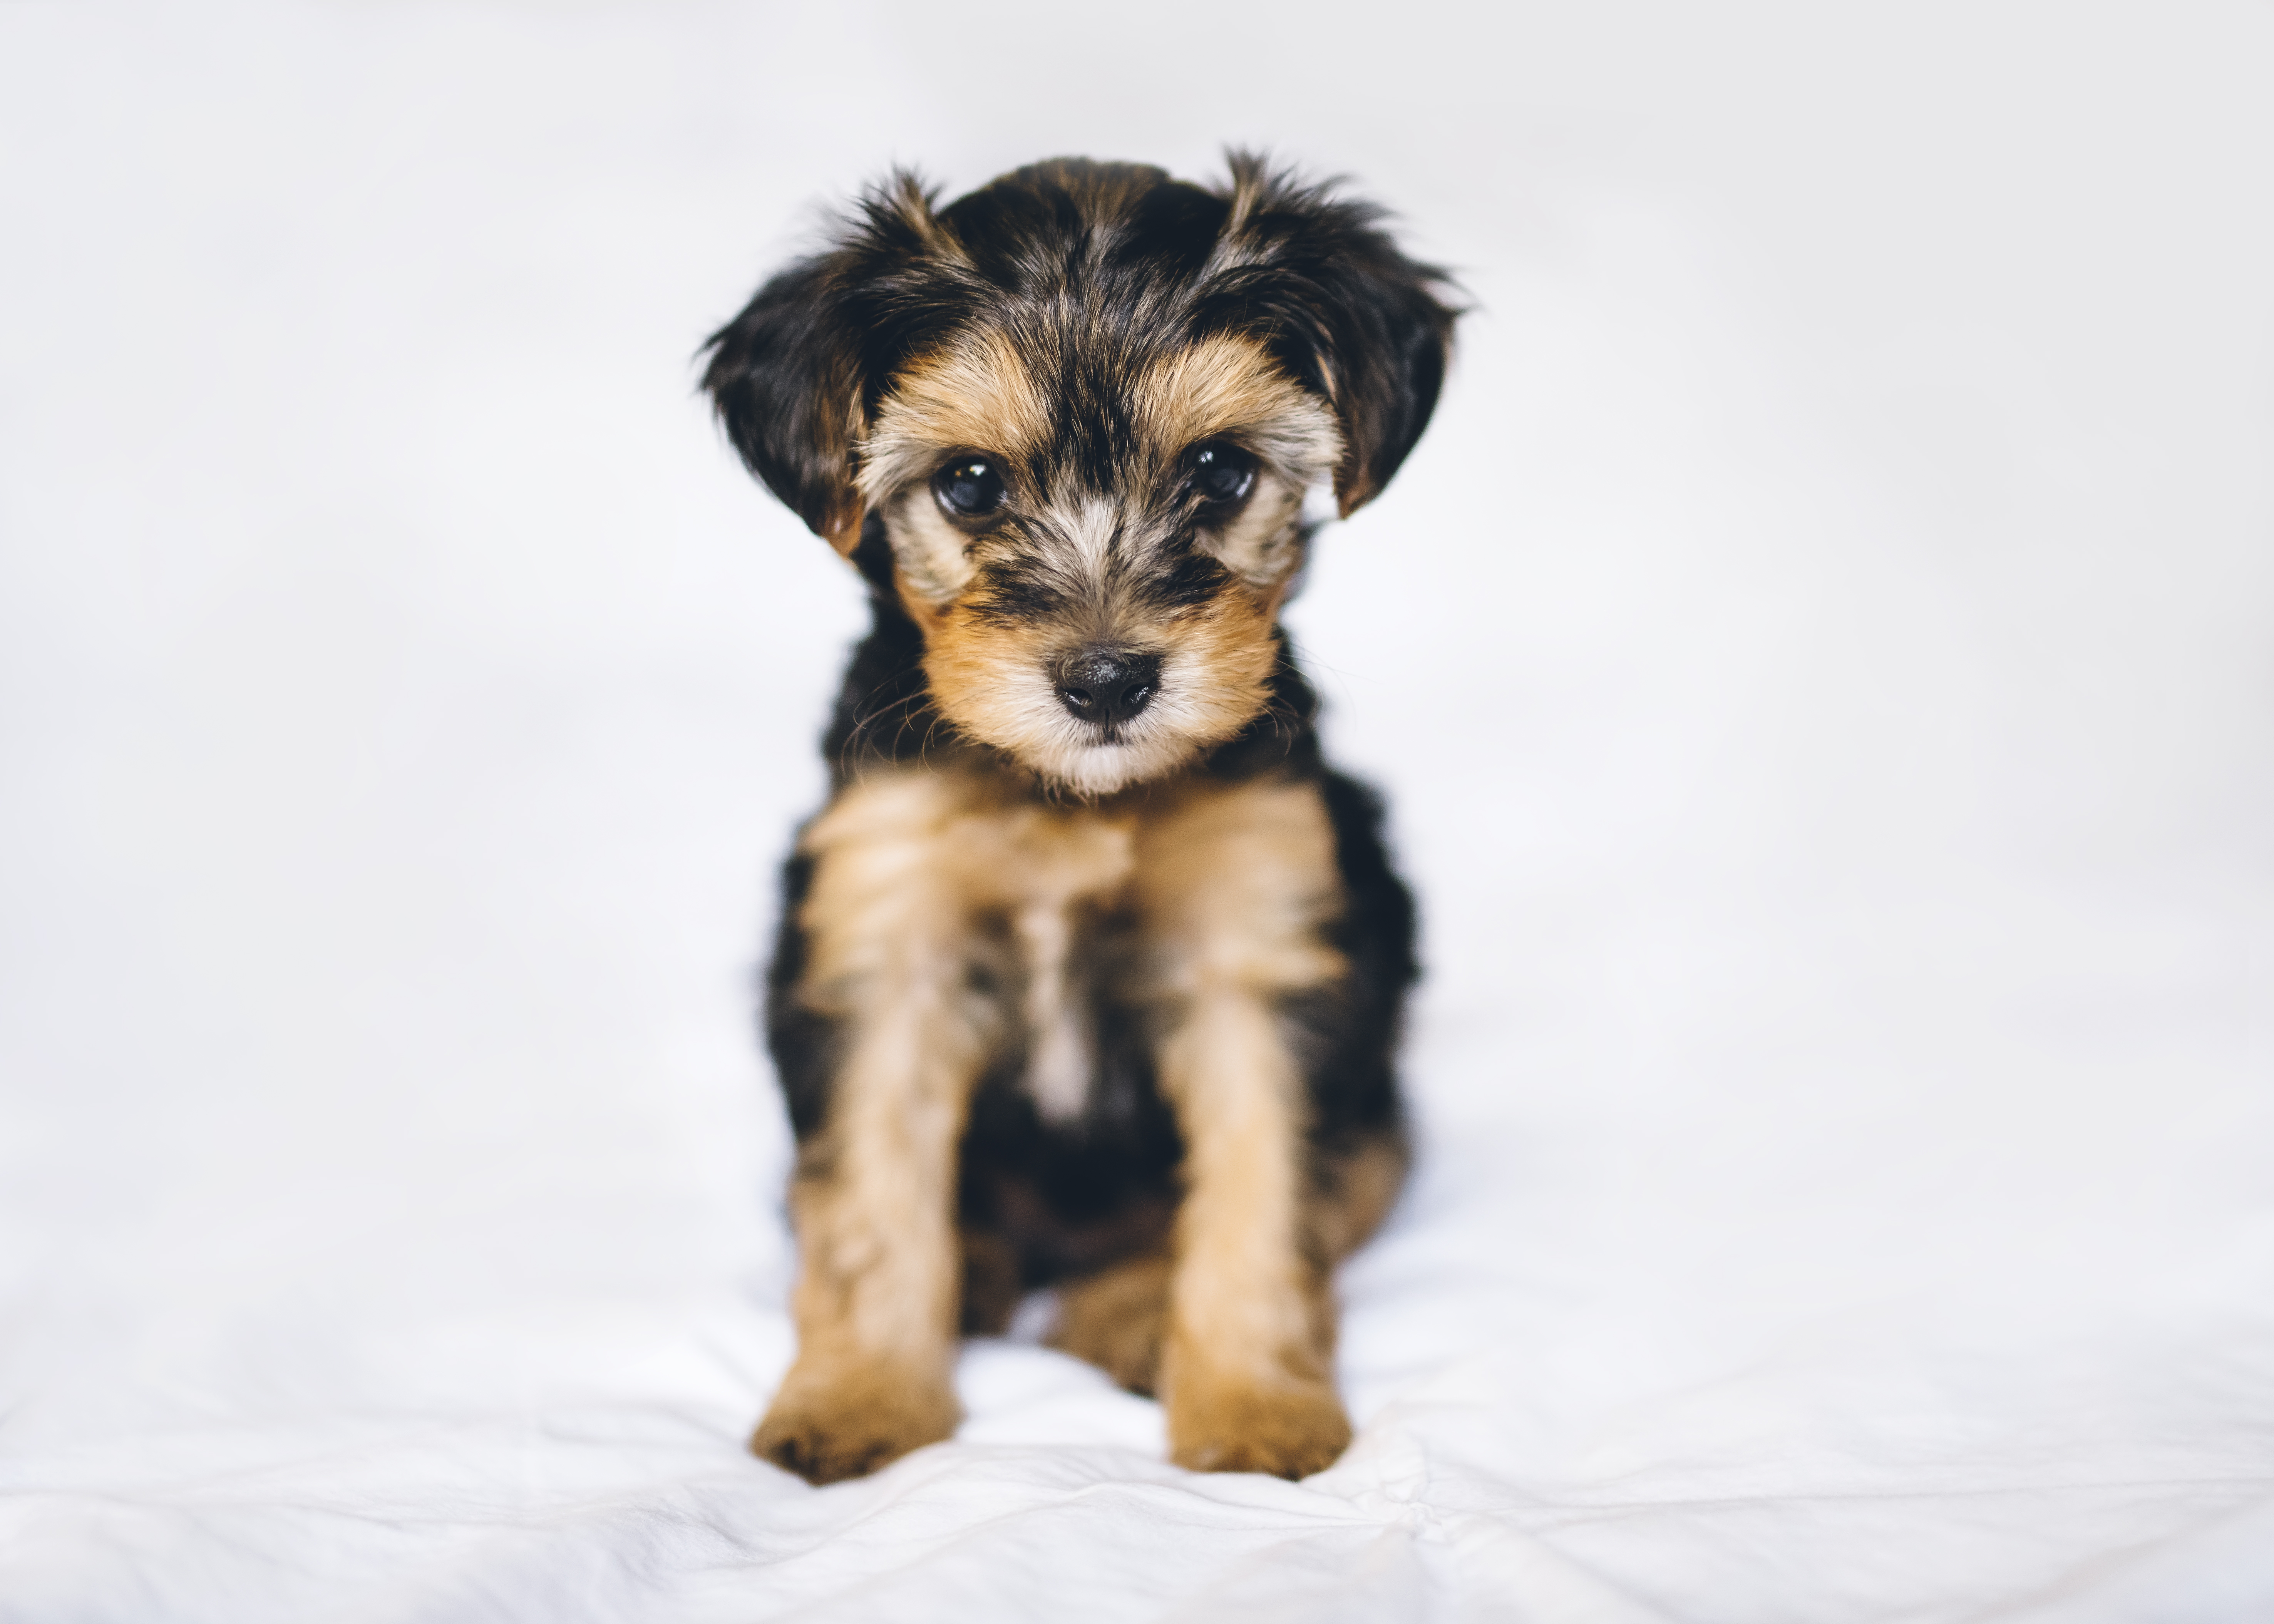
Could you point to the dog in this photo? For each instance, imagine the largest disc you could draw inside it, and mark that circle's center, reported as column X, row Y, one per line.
column 1090, row 971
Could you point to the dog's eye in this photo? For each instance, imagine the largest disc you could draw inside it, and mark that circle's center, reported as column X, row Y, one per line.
column 970, row 489
column 1222, row 474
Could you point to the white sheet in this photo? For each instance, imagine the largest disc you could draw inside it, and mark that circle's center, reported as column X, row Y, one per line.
column 1818, row 658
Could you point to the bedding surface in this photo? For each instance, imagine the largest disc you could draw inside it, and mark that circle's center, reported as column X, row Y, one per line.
column 1817, row 660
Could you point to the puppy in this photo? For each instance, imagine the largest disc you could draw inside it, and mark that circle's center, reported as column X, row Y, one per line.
column 1090, row 971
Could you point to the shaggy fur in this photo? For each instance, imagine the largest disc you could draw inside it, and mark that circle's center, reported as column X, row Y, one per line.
column 1090, row 971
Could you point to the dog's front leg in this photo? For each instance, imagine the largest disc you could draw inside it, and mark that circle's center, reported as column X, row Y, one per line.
column 1240, row 884
column 873, row 1198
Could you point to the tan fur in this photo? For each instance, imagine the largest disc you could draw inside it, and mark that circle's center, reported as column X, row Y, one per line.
column 1234, row 888
column 977, row 396
column 1116, row 1318
column 1356, row 1191
column 1232, row 884
column 837, row 1416
column 1059, row 1056
column 1062, row 860
column 1229, row 384
column 841, row 524
column 1226, row 382
column 974, row 395
column 932, row 558
column 992, row 682
column 1264, row 543
column 1250, row 177
column 874, row 1197
column 904, row 864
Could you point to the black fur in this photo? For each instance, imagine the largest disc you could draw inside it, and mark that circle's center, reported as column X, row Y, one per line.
column 780, row 375
column 1152, row 265
column 1316, row 281
column 1073, row 1199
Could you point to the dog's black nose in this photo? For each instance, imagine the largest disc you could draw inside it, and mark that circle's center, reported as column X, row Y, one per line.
column 1101, row 684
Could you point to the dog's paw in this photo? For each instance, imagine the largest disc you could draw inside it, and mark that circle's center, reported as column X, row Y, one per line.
column 1116, row 1321
column 1288, row 1429
column 830, row 1424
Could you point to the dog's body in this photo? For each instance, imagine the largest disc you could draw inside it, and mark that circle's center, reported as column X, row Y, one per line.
column 1090, row 971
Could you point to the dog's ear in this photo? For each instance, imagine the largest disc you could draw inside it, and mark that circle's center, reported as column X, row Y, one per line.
column 785, row 378
column 796, row 375
column 1392, row 339
column 1343, row 310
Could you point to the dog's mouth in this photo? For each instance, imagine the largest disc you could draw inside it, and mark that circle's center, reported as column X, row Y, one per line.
column 1098, row 707
column 1089, row 756
column 1113, row 720
column 1098, row 756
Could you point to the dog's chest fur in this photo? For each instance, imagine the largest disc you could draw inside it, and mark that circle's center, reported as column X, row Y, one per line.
column 961, row 885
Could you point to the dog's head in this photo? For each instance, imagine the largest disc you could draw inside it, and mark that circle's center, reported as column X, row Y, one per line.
column 1086, row 402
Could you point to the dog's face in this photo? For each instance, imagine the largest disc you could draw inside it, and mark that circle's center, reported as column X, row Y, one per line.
column 1085, row 405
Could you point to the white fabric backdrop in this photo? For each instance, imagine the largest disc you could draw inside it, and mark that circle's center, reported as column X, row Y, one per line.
column 1820, row 659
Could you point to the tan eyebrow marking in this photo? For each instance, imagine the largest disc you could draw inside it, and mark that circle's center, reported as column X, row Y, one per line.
column 976, row 392
column 1228, row 382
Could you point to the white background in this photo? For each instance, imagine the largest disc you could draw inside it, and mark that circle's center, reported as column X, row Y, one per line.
column 1822, row 659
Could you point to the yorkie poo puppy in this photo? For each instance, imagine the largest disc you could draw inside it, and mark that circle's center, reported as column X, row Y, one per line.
column 1090, row 971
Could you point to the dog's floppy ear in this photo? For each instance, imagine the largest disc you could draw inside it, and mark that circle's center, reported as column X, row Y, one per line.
column 1391, row 342
column 1348, row 314
column 785, row 378
column 796, row 375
